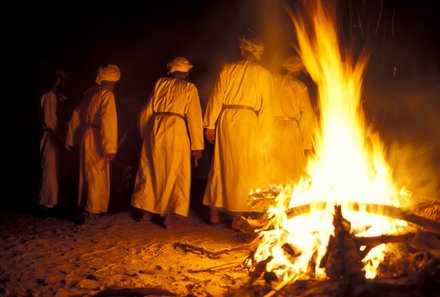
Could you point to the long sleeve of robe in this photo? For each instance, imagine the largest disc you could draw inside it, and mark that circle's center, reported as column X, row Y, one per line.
column 292, row 133
column 239, row 112
column 50, row 147
column 171, row 127
column 94, row 124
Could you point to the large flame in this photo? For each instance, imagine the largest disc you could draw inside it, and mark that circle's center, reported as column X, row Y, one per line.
column 349, row 164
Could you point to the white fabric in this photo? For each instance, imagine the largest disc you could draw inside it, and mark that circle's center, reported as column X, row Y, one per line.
column 179, row 64
column 164, row 175
column 108, row 73
column 293, row 64
column 93, row 127
column 49, row 150
column 292, row 134
column 240, row 136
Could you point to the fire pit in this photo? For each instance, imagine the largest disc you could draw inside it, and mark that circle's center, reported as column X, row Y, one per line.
column 342, row 226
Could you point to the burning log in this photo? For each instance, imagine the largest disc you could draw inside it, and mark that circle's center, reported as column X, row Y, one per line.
column 371, row 242
column 260, row 267
column 379, row 209
column 342, row 260
column 248, row 225
column 263, row 199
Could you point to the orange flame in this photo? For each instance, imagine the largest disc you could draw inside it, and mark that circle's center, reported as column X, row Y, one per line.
column 349, row 164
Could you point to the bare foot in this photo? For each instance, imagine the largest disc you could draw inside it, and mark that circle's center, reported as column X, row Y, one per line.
column 170, row 221
column 215, row 217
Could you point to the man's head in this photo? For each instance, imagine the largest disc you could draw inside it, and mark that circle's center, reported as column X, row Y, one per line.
column 251, row 47
column 293, row 65
column 179, row 67
column 59, row 80
column 109, row 73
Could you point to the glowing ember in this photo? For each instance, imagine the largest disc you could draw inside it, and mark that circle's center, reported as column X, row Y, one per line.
column 349, row 164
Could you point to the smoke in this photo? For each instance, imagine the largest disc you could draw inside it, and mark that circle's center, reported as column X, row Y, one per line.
column 217, row 41
column 407, row 113
column 403, row 93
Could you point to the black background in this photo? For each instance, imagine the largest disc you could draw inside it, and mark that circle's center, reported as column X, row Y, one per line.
column 141, row 36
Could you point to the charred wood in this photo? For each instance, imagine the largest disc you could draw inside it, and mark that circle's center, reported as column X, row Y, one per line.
column 260, row 267
column 342, row 260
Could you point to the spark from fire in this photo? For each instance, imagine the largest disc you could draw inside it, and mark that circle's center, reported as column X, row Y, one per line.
column 349, row 164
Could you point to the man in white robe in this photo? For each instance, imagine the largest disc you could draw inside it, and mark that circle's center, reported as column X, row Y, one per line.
column 93, row 127
column 51, row 144
column 293, row 124
column 236, row 120
column 171, row 131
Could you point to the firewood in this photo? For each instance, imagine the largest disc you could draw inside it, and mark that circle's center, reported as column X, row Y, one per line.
column 216, row 254
column 134, row 292
column 229, row 265
column 376, row 240
column 379, row 209
column 260, row 267
column 342, row 258
column 428, row 209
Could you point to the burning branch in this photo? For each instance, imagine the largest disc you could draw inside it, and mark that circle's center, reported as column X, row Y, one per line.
column 342, row 260
column 379, row 209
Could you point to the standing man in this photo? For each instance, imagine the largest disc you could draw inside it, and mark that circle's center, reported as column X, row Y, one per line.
column 293, row 123
column 93, row 127
column 52, row 141
column 236, row 121
column 171, row 132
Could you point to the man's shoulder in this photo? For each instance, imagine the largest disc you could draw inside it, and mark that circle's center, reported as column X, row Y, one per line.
column 48, row 95
column 233, row 64
column 98, row 92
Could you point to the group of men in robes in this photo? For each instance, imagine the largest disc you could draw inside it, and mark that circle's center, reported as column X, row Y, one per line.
column 260, row 125
column 93, row 130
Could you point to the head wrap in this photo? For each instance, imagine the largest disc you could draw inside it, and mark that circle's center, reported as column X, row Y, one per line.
column 293, row 64
column 59, row 74
column 179, row 64
column 253, row 46
column 108, row 73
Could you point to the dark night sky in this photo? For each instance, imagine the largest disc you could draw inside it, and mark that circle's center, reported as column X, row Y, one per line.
column 141, row 36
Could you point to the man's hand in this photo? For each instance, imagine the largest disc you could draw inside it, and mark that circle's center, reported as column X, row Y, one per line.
column 309, row 153
column 110, row 157
column 197, row 155
column 210, row 135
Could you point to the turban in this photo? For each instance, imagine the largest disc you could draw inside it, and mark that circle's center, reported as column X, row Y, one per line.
column 61, row 75
column 253, row 46
column 180, row 64
column 293, row 64
column 108, row 73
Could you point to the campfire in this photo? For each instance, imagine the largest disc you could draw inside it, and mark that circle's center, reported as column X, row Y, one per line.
column 347, row 220
column 335, row 222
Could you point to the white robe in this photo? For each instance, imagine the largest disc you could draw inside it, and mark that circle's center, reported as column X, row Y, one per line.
column 292, row 133
column 94, row 127
column 164, row 176
column 50, row 146
column 238, row 109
